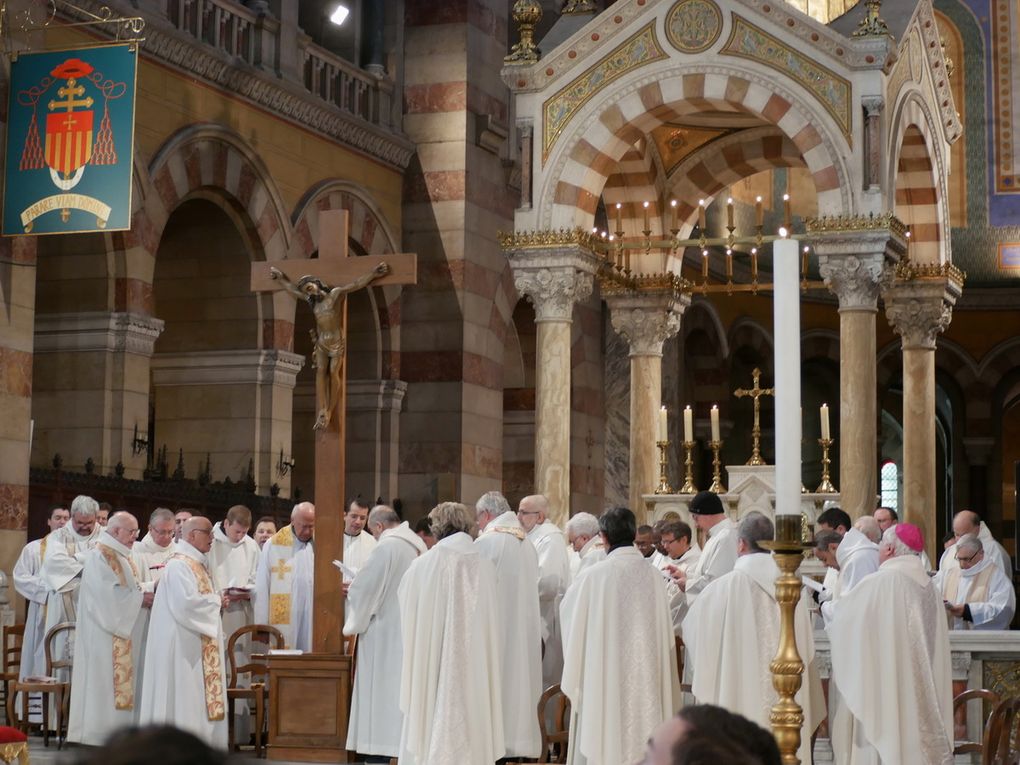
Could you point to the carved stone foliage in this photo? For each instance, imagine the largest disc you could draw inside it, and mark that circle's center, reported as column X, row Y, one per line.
column 919, row 316
column 553, row 291
column 645, row 327
column 856, row 281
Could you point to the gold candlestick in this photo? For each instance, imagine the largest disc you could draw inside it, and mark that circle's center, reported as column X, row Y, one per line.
column 663, row 487
column 825, row 487
column 689, row 487
column 717, row 484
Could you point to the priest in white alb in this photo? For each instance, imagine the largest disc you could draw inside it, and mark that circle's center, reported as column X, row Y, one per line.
column 109, row 646
column 504, row 542
column 450, row 686
column 620, row 670
column 358, row 543
column 732, row 635
column 856, row 558
column 585, row 539
column 890, row 689
column 554, row 577
column 968, row 522
column 719, row 554
column 373, row 614
column 976, row 593
column 283, row 580
column 154, row 549
column 184, row 683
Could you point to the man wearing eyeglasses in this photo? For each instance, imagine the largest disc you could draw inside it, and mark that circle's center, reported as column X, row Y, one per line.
column 975, row 593
column 155, row 548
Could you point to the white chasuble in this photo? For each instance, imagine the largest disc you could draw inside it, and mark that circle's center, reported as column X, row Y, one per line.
column 107, row 671
column 29, row 583
column 450, row 687
column 717, row 558
column 554, row 578
column 520, row 628
column 61, row 573
column 620, row 670
column 373, row 613
column 283, row 587
column 185, row 681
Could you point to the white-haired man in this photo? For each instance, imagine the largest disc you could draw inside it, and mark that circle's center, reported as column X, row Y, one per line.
column 284, row 576
column 153, row 550
column 976, row 593
column 585, row 539
column 504, row 542
column 968, row 522
column 894, row 624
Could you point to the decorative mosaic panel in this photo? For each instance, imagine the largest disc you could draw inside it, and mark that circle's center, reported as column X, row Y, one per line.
column 904, row 69
column 1006, row 94
column 693, row 26
column 1009, row 256
column 1003, row 677
column 639, row 49
column 831, row 91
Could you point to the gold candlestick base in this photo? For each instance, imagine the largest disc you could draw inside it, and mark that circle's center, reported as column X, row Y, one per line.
column 826, row 486
column 717, row 484
column 689, row 487
column 663, row 487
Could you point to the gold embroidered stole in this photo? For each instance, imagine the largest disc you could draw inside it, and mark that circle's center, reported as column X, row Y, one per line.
column 511, row 530
column 212, row 662
column 978, row 592
column 281, row 570
column 123, row 666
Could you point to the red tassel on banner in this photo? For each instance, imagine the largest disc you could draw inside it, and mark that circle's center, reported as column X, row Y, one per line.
column 103, row 152
column 32, row 155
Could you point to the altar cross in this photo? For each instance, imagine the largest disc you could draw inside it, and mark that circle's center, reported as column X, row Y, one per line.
column 755, row 393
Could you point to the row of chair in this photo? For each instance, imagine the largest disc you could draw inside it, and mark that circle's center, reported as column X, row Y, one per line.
column 1000, row 741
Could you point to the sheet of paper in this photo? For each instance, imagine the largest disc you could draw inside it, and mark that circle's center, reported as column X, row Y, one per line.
column 349, row 572
column 811, row 583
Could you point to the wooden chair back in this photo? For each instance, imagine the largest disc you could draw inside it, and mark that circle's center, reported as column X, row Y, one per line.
column 54, row 664
column 262, row 633
column 975, row 694
column 1001, row 734
column 559, row 734
column 14, row 640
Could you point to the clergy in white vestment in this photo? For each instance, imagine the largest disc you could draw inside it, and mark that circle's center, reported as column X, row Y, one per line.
column 264, row 529
column 620, row 670
column 648, row 540
column 554, row 577
column 283, row 579
column 358, row 543
column 732, row 635
column 585, row 539
column 887, row 517
column 834, row 519
column 185, row 681
column 153, row 550
column 827, row 542
column 976, row 593
column 900, row 710
column 856, row 558
column 720, row 551
column 682, row 554
column 450, row 684
column 109, row 645
column 373, row 614
column 504, row 542
column 969, row 522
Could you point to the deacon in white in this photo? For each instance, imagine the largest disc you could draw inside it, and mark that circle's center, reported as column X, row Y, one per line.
column 373, row 613
column 827, row 542
column 976, row 593
column 358, row 543
column 620, row 671
column 283, row 580
column 554, row 576
column 264, row 529
column 156, row 547
column 968, row 522
column 856, row 558
column 450, row 686
column 585, row 539
column 504, row 542
column 107, row 672
column 720, row 552
column 732, row 634
column 675, row 538
column 185, row 683
column 29, row 583
column 893, row 623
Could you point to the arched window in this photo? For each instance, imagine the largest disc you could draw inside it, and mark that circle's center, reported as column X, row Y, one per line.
column 890, row 485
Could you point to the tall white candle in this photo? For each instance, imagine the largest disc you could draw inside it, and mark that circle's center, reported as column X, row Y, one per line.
column 715, row 422
column 688, row 423
column 663, row 424
column 786, row 312
column 825, row 421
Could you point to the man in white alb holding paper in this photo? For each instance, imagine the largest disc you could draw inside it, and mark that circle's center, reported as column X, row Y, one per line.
column 358, row 543
column 283, row 579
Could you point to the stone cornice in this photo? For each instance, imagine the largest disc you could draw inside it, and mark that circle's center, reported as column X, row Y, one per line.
column 227, row 368
column 96, row 331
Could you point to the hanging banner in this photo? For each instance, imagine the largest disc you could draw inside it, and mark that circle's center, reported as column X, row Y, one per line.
column 70, row 140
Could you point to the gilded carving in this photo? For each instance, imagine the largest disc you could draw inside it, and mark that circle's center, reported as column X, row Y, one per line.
column 639, row 49
column 831, row 91
column 693, row 26
column 871, row 222
column 533, row 240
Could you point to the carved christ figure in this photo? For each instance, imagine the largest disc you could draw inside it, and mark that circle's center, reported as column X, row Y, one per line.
column 328, row 339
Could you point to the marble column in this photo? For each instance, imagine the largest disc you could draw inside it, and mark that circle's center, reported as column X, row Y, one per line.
column 919, row 308
column 853, row 265
column 646, row 321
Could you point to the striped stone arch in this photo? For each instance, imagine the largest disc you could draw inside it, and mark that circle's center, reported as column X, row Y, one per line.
column 582, row 161
column 820, row 344
column 917, row 181
column 637, row 179
column 747, row 333
column 708, row 366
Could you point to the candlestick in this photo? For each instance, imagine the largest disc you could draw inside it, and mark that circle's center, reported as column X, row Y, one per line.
column 688, row 424
column 729, row 213
column 647, row 228
column 619, row 218
column 704, row 265
column 759, row 213
column 717, row 485
column 663, row 424
column 701, row 215
column 786, row 211
column 689, row 487
column 825, row 421
column 674, row 225
column 826, row 486
column 663, row 487
column 715, row 422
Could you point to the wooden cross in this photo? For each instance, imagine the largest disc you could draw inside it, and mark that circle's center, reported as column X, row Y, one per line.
column 280, row 569
column 334, row 268
column 755, row 393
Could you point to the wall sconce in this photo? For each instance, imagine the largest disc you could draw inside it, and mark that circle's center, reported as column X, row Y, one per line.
column 284, row 466
column 138, row 445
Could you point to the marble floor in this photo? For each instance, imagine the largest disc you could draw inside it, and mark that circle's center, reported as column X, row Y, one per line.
column 69, row 755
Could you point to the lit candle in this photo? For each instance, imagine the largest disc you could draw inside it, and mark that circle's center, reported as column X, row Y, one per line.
column 688, row 423
column 759, row 213
column 786, row 211
column 729, row 212
column 673, row 225
column 663, row 424
column 704, row 264
column 647, row 227
column 715, row 422
column 825, row 422
column 701, row 216
column 619, row 217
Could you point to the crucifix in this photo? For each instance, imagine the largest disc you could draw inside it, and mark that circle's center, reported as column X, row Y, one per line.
column 310, row 281
column 755, row 393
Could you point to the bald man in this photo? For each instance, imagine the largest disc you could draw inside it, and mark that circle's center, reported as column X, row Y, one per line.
column 968, row 522
column 283, row 579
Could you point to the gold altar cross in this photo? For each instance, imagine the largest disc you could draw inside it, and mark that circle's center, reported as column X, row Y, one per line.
column 755, row 393
column 280, row 569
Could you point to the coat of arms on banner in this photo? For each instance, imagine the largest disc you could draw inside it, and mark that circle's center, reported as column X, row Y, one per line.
column 70, row 136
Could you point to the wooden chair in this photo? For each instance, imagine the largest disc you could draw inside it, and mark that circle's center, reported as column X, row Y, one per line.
column 13, row 641
column 969, row 747
column 999, row 746
column 557, row 738
column 59, row 689
column 257, row 692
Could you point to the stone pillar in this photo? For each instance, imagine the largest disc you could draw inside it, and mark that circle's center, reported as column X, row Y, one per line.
column 645, row 320
column 107, row 355
column 919, row 307
column 552, row 289
column 373, row 25
column 373, row 437
column 853, row 265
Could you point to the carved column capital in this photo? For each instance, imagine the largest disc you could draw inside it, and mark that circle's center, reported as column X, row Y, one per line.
column 647, row 321
column 919, row 311
column 855, row 279
column 553, row 291
column 873, row 105
column 553, row 270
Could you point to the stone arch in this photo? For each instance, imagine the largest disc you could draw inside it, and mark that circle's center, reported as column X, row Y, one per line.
column 637, row 179
column 820, row 344
column 578, row 168
column 749, row 334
